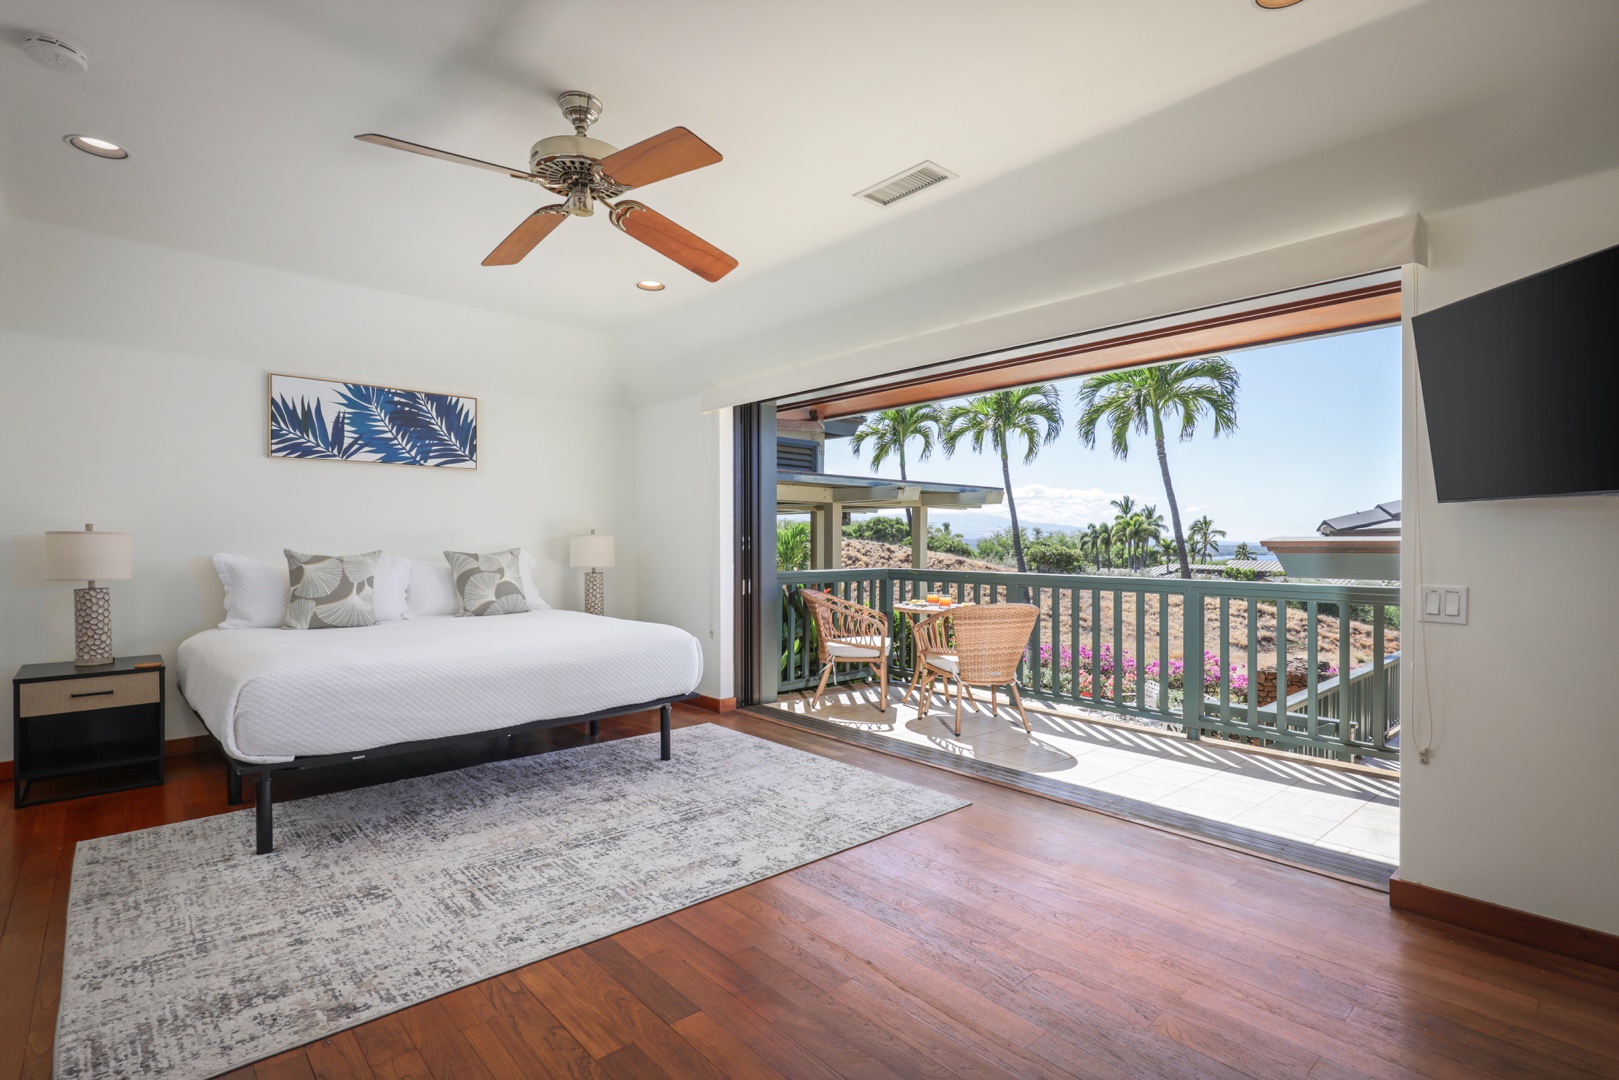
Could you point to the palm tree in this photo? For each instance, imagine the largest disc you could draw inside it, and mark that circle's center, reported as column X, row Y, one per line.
column 1124, row 504
column 1094, row 543
column 1153, row 520
column 890, row 430
column 1243, row 551
column 1204, row 538
column 1140, row 399
column 1032, row 412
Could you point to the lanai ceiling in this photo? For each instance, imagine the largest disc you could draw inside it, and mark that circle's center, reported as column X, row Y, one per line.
column 1063, row 119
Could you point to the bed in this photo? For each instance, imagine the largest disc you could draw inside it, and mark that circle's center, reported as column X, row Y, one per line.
column 296, row 699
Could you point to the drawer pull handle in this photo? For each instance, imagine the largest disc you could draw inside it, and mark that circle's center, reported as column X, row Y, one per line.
column 92, row 693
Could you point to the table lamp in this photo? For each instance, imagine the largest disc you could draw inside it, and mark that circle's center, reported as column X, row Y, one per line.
column 90, row 556
column 595, row 553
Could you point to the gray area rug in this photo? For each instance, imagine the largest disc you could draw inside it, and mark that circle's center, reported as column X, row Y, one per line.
column 187, row 955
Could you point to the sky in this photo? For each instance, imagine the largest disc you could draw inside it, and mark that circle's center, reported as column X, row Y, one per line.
column 1318, row 435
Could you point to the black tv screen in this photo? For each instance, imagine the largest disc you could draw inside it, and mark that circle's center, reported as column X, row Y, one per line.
column 1521, row 385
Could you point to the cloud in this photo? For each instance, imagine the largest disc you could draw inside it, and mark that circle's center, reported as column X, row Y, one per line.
column 1064, row 506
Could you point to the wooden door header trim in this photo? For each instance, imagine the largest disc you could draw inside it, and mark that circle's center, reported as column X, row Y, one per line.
column 1351, row 309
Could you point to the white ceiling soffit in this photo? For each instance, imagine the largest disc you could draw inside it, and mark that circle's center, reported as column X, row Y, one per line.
column 1351, row 253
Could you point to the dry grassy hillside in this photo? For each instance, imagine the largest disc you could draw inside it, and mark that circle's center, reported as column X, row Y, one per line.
column 870, row 555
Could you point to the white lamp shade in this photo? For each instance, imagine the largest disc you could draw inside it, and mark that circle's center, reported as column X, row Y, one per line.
column 88, row 556
column 594, row 552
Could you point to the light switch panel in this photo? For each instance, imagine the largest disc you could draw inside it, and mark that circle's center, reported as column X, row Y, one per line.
column 1444, row 603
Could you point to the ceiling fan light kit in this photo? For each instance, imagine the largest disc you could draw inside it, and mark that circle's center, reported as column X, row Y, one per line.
column 585, row 171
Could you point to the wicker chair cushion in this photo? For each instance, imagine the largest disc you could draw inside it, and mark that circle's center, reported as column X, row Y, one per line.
column 869, row 647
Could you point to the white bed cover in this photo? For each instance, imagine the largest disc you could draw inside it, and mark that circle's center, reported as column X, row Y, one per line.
column 270, row 695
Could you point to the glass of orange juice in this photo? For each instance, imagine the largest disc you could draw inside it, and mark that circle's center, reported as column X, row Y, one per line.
column 945, row 601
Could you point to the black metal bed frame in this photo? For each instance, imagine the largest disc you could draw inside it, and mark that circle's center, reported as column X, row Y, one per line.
column 235, row 770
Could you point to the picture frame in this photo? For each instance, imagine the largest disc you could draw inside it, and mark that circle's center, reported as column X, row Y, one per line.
column 317, row 419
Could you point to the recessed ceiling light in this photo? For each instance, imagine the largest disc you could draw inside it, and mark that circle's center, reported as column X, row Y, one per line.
column 1275, row 4
column 650, row 286
column 99, row 147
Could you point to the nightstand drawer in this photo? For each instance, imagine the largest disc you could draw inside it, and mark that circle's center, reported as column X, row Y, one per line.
column 95, row 692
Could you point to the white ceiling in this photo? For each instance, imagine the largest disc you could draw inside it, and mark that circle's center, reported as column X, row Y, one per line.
column 1068, row 120
column 240, row 119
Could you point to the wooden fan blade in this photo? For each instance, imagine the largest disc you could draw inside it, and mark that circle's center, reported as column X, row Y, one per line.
column 658, row 158
column 671, row 241
column 443, row 155
column 523, row 239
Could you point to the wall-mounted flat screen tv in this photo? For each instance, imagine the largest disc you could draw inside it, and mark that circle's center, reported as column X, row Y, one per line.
column 1521, row 385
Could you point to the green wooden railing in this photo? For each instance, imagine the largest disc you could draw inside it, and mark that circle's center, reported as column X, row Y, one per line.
column 1125, row 645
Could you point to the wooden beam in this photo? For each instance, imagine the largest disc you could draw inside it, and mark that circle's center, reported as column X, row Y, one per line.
column 828, row 545
column 919, row 538
column 962, row 498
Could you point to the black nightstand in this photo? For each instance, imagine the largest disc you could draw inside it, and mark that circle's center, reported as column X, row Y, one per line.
column 87, row 731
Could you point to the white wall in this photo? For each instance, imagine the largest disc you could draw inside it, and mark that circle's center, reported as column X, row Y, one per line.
column 683, row 528
column 1519, row 804
column 132, row 395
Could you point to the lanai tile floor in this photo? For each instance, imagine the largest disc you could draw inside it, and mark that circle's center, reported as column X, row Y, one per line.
column 1355, row 811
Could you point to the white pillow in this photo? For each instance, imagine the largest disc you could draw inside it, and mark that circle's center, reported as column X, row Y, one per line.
column 255, row 591
column 391, row 588
column 531, row 592
column 432, row 592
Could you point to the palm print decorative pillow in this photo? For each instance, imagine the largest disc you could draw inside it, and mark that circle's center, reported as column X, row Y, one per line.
column 330, row 591
column 488, row 584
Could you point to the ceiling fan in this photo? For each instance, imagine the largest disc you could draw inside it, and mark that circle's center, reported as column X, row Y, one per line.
column 586, row 171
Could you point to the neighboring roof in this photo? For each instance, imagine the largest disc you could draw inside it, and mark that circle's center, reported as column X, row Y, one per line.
column 1369, row 541
column 1382, row 519
column 803, row 490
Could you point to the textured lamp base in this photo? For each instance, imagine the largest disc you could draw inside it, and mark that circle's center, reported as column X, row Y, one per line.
column 595, row 593
column 92, row 626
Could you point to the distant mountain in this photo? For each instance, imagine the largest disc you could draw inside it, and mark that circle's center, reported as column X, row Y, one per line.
column 975, row 527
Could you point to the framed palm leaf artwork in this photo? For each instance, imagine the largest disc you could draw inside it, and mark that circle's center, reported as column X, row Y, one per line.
column 344, row 421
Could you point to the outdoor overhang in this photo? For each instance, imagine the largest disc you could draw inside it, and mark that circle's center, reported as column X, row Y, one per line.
column 1361, row 558
column 803, row 491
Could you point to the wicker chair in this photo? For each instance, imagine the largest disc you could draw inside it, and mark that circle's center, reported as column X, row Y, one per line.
column 932, row 639
column 849, row 633
column 990, row 640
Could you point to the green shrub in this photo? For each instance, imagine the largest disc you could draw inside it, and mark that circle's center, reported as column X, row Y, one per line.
column 878, row 527
column 1049, row 555
column 996, row 547
column 942, row 540
column 1239, row 573
column 792, row 545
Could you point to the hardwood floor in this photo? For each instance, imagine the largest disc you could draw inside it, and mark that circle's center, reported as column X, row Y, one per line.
column 1013, row 938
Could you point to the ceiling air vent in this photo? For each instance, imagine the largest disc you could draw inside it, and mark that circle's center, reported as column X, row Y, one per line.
column 909, row 182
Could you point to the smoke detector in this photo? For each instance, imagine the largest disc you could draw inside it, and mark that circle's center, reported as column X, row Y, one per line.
column 58, row 54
